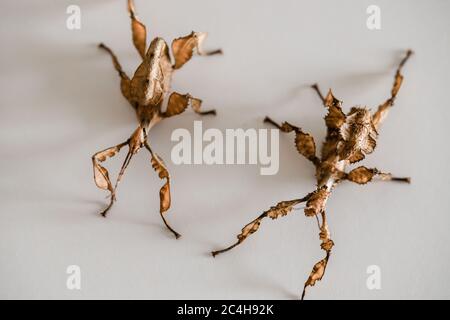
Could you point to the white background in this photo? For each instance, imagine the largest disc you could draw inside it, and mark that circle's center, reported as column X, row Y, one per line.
column 60, row 103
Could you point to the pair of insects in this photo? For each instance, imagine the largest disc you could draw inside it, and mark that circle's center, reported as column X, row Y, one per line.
column 349, row 136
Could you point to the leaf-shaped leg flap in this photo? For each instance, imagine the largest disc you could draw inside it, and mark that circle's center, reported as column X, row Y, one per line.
column 125, row 82
column 281, row 209
column 383, row 109
column 318, row 270
column 138, row 30
column 164, row 193
column 304, row 142
column 184, row 47
column 101, row 175
column 363, row 175
column 178, row 103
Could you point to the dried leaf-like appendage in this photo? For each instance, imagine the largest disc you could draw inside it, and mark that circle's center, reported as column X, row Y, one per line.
column 335, row 117
column 304, row 142
column 125, row 83
column 305, row 145
column 138, row 30
column 324, row 235
column 317, row 272
column 317, row 201
column 250, row 228
column 177, row 104
column 183, row 48
column 331, row 101
column 164, row 197
column 327, row 244
column 196, row 104
column 125, row 88
column 361, row 175
column 381, row 113
column 163, row 173
column 281, row 209
column 101, row 175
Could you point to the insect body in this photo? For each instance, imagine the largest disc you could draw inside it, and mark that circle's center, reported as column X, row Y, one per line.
column 349, row 138
column 146, row 92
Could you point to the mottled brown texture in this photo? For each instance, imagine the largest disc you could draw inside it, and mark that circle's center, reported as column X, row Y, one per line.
column 146, row 92
column 350, row 137
column 317, row 201
column 361, row 175
column 279, row 210
column 304, row 142
column 184, row 47
column 177, row 104
column 138, row 30
column 335, row 117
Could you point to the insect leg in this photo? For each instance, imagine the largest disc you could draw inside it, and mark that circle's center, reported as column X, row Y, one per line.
column 319, row 268
column 138, row 29
column 390, row 177
column 125, row 83
column 363, row 175
column 183, row 48
column 315, row 86
column 196, row 105
column 164, row 193
column 276, row 125
column 383, row 109
column 101, row 175
column 179, row 102
column 279, row 210
column 304, row 142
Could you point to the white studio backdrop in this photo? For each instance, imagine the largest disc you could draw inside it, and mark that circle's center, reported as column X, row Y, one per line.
column 60, row 103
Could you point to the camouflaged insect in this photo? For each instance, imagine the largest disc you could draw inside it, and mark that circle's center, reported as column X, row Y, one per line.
column 350, row 137
column 146, row 92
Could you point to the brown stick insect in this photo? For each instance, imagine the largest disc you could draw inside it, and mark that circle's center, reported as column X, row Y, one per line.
column 349, row 138
column 146, row 92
